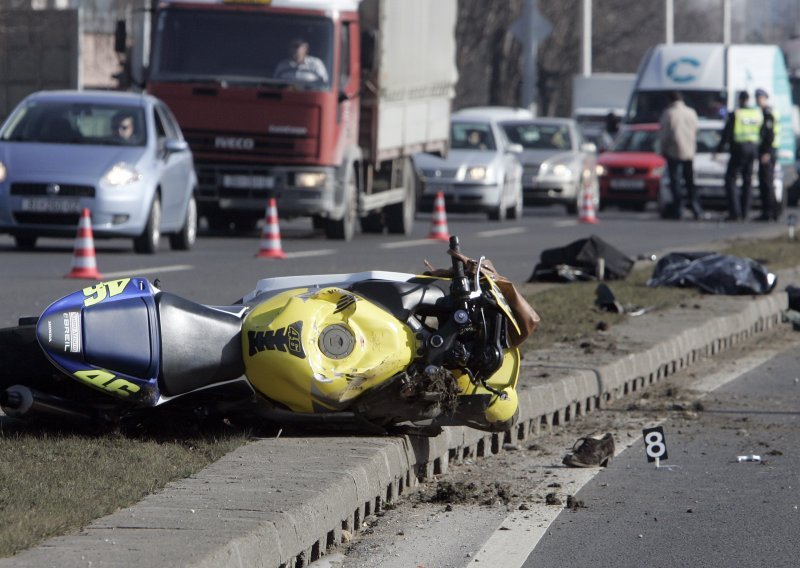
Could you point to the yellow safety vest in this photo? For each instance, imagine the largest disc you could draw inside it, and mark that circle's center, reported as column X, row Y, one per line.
column 747, row 125
column 776, row 129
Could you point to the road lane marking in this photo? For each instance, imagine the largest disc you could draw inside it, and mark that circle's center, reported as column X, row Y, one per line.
column 501, row 232
column 566, row 223
column 308, row 253
column 403, row 244
column 149, row 270
column 519, row 533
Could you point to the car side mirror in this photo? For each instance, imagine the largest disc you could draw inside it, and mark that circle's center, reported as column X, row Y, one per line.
column 589, row 147
column 174, row 146
column 120, row 37
column 515, row 148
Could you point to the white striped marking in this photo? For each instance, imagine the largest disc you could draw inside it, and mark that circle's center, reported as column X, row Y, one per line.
column 512, row 546
column 566, row 223
column 416, row 243
column 150, row 270
column 501, row 232
column 307, row 253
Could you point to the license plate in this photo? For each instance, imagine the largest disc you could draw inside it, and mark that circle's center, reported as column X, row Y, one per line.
column 627, row 183
column 51, row 205
column 238, row 181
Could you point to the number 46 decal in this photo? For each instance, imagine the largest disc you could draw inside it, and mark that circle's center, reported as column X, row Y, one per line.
column 96, row 294
column 107, row 381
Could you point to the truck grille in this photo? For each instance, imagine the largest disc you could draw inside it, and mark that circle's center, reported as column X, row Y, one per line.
column 245, row 144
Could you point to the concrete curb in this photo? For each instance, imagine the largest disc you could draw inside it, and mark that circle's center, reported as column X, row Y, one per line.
column 285, row 502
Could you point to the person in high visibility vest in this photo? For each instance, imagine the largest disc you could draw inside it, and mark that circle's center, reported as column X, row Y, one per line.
column 767, row 151
column 741, row 136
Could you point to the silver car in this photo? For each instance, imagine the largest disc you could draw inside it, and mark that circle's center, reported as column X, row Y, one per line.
column 121, row 155
column 557, row 163
column 481, row 172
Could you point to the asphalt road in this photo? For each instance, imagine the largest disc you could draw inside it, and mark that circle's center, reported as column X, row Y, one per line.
column 701, row 508
column 222, row 267
column 710, row 510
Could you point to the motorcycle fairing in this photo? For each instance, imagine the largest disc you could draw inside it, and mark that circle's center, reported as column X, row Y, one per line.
column 106, row 336
column 316, row 350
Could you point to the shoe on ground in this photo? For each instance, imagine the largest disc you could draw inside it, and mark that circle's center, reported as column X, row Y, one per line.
column 591, row 452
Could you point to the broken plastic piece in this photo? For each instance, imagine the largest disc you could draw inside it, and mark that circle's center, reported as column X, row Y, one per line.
column 750, row 458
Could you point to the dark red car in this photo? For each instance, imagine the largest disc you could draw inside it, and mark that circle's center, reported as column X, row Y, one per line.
column 630, row 172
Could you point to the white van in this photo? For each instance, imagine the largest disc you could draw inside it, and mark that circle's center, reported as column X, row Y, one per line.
column 710, row 76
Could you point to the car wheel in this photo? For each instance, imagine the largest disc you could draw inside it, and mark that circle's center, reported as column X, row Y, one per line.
column 25, row 242
column 147, row 242
column 372, row 223
column 186, row 237
column 515, row 211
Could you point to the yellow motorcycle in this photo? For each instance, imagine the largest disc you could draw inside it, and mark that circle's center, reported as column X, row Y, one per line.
column 381, row 350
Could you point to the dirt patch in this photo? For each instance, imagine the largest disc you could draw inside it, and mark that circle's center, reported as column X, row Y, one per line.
column 480, row 492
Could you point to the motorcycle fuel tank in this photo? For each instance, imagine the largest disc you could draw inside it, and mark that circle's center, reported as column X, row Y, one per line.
column 316, row 350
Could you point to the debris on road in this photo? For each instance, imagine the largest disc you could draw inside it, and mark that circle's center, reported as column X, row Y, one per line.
column 579, row 260
column 748, row 458
column 552, row 499
column 591, row 452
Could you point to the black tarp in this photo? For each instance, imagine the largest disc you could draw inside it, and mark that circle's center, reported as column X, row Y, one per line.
column 713, row 273
column 578, row 261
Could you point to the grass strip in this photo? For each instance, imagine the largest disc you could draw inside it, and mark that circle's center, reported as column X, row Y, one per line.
column 53, row 483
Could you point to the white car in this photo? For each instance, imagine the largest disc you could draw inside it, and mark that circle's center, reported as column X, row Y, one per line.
column 557, row 163
column 481, row 172
column 709, row 173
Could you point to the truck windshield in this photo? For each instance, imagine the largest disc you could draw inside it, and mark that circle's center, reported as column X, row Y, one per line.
column 242, row 47
column 646, row 106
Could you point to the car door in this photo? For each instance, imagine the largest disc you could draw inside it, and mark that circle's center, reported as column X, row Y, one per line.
column 176, row 168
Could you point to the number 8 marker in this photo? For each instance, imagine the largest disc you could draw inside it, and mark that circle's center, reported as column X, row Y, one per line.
column 655, row 444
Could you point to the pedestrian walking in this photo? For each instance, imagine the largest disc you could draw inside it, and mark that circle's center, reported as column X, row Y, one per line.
column 741, row 138
column 767, row 150
column 678, row 146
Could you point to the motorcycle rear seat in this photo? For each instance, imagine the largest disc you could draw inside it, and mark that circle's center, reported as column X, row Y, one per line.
column 118, row 337
column 401, row 299
column 200, row 346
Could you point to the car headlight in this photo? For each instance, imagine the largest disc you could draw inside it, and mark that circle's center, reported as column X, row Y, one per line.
column 310, row 179
column 2, row 172
column 600, row 170
column 560, row 170
column 121, row 174
column 477, row 173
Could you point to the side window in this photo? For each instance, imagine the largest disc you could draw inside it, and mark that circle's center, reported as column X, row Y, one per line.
column 171, row 123
column 344, row 57
column 163, row 129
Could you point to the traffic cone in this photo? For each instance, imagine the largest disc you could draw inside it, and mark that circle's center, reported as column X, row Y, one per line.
column 587, row 214
column 439, row 230
column 84, row 262
column 270, row 245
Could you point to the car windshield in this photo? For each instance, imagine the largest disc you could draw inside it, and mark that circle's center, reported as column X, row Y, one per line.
column 708, row 140
column 636, row 141
column 647, row 106
column 242, row 47
column 471, row 136
column 536, row 136
column 77, row 123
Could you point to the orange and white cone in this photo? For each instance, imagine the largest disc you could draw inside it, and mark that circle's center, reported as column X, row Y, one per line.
column 270, row 244
column 587, row 214
column 439, row 230
column 84, row 261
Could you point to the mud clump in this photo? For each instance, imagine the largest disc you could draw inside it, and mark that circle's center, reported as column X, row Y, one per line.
column 469, row 492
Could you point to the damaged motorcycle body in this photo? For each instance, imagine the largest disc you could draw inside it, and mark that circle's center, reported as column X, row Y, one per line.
column 381, row 349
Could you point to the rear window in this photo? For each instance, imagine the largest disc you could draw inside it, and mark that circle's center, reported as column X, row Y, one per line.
column 636, row 141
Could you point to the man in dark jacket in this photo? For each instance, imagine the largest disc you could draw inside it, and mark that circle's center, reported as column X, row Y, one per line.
column 741, row 135
column 767, row 147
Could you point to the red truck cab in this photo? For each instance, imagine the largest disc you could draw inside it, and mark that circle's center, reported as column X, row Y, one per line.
column 261, row 119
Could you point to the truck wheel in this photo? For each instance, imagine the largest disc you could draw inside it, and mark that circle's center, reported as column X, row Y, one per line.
column 186, row 237
column 147, row 242
column 372, row 223
column 25, row 242
column 343, row 229
column 400, row 216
